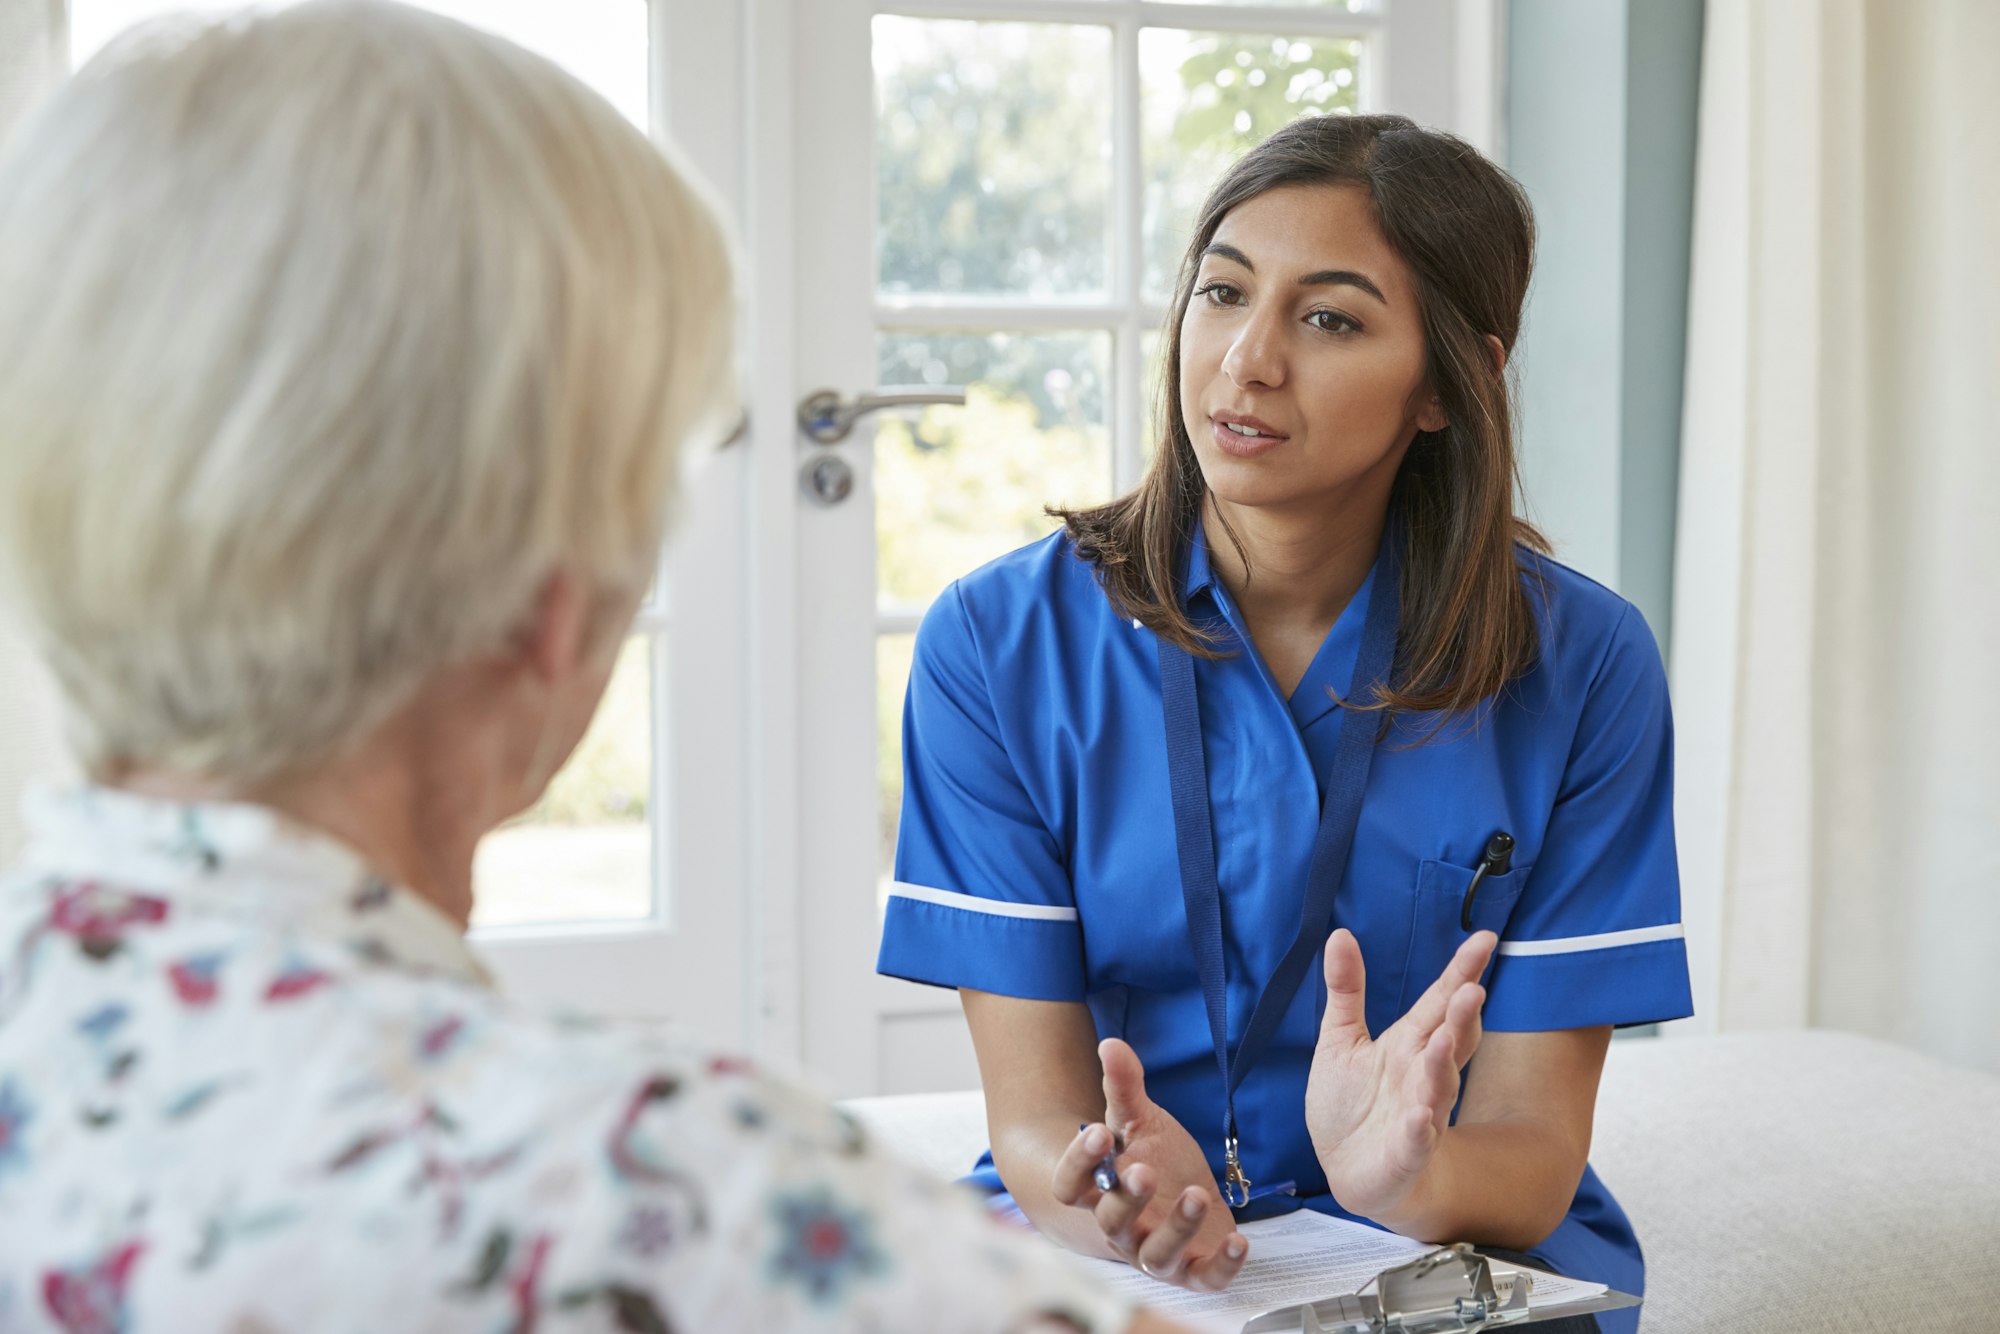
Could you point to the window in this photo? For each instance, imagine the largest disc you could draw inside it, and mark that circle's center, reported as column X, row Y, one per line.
column 590, row 849
column 1038, row 167
column 602, row 42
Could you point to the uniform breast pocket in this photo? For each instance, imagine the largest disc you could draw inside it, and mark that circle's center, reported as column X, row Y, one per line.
column 1436, row 914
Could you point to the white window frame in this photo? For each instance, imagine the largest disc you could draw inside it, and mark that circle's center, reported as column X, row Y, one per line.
column 1430, row 59
column 685, row 960
column 700, row 627
column 1461, row 93
column 730, row 796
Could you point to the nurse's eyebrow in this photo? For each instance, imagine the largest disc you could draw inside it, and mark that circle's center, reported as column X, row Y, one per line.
column 1343, row 278
column 1324, row 278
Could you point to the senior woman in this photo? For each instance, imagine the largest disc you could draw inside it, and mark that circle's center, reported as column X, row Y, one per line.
column 345, row 353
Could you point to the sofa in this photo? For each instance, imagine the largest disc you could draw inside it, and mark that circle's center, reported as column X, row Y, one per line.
column 1789, row 1183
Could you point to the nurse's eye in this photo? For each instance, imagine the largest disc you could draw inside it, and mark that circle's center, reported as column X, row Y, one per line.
column 1333, row 322
column 1220, row 293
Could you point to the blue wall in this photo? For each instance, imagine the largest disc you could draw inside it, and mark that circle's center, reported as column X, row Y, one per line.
column 1601, row 99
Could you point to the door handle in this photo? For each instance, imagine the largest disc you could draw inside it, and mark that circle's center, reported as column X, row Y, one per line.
column 828, row 419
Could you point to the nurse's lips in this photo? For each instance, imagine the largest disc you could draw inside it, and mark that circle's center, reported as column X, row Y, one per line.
column 1234, row 441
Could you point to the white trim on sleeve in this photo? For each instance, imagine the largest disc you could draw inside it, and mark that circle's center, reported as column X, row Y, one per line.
column 947, row 898
column 1608, row 940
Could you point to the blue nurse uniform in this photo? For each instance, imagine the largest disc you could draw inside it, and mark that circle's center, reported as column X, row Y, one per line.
column 1037, row 855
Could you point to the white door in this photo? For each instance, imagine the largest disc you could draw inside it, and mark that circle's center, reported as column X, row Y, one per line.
column 626, row 890
column 993, row 194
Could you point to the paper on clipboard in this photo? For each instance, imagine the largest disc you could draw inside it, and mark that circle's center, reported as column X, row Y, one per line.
column 1300, row 1257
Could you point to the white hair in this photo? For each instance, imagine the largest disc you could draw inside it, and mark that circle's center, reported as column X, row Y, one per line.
column 327, row 334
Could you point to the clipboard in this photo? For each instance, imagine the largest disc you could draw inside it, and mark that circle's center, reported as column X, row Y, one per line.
column 1452, row 1290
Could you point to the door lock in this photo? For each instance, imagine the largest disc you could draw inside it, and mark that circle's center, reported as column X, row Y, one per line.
column 827, row 479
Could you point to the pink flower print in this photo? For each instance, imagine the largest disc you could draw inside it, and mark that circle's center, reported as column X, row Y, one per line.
column 451, row 1175
column 297, row 979
column 648, row 1232
column 194, row 979
column 523, row 1285
column 92, row 1300
column 439, row 1038
column 15, row 1113
column 99, row 917
column 427, row 1133
column 628, row 1159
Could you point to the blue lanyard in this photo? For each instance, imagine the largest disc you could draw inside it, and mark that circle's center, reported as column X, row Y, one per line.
column 1346, row 785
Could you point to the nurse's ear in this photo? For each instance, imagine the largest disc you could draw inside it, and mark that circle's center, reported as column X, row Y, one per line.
column 1430, row 411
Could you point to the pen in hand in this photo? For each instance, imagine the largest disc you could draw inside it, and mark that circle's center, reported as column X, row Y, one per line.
column 1105, row 1175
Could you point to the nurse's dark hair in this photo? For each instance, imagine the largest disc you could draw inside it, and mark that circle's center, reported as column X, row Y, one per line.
column 1467, row 233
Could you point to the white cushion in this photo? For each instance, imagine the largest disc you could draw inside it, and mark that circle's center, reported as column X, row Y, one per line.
column 1811, row 1182
column 1805, row 1181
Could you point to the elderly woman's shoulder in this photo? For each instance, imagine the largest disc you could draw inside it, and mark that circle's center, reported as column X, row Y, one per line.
column 689, row 1181
column 550, row 1078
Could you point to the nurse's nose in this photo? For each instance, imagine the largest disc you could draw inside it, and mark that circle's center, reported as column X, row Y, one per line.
column 1256, row 356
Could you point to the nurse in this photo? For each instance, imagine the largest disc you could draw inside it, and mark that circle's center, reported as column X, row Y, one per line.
column 1295, row 824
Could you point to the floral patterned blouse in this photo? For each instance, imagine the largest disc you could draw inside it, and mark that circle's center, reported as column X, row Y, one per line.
column 247, row 1086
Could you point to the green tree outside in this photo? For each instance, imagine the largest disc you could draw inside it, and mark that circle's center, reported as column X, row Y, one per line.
column 992, row 178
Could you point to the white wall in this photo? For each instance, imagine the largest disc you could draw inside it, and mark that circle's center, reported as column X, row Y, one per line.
column 32, row 54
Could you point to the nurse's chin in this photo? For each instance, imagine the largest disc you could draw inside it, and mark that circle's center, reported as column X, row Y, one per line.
column 1258, row 483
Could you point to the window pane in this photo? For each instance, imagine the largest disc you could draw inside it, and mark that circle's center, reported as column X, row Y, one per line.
column 992, row 157
column 892, row 678
column 602, row 42
column 1206, row 97
column 1152, row 360
column 958, row 486
column 583, row 853
column 1337, row 6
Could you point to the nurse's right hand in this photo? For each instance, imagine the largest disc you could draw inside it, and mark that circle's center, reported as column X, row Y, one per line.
column 1165, row 1216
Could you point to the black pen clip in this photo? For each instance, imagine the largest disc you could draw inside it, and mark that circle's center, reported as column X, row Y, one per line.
column 1499, row 855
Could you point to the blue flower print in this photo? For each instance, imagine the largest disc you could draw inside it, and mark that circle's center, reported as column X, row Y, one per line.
column 194, row 844
column 823, row 1246
column 102, row 1022
column 14, row 1117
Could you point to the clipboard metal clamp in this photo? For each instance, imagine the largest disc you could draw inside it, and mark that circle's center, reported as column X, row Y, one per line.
column 1448, row 1291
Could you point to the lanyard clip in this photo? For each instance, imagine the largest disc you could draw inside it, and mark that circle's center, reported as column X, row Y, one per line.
column 1235, row 1185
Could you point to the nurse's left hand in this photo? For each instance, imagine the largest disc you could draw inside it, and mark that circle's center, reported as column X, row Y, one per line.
column 1165, row 1216
column 1376, row 1108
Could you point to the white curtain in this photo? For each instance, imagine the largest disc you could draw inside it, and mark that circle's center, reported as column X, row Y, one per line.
column 30, row 36
column 31, row 60
column 1836, row 654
